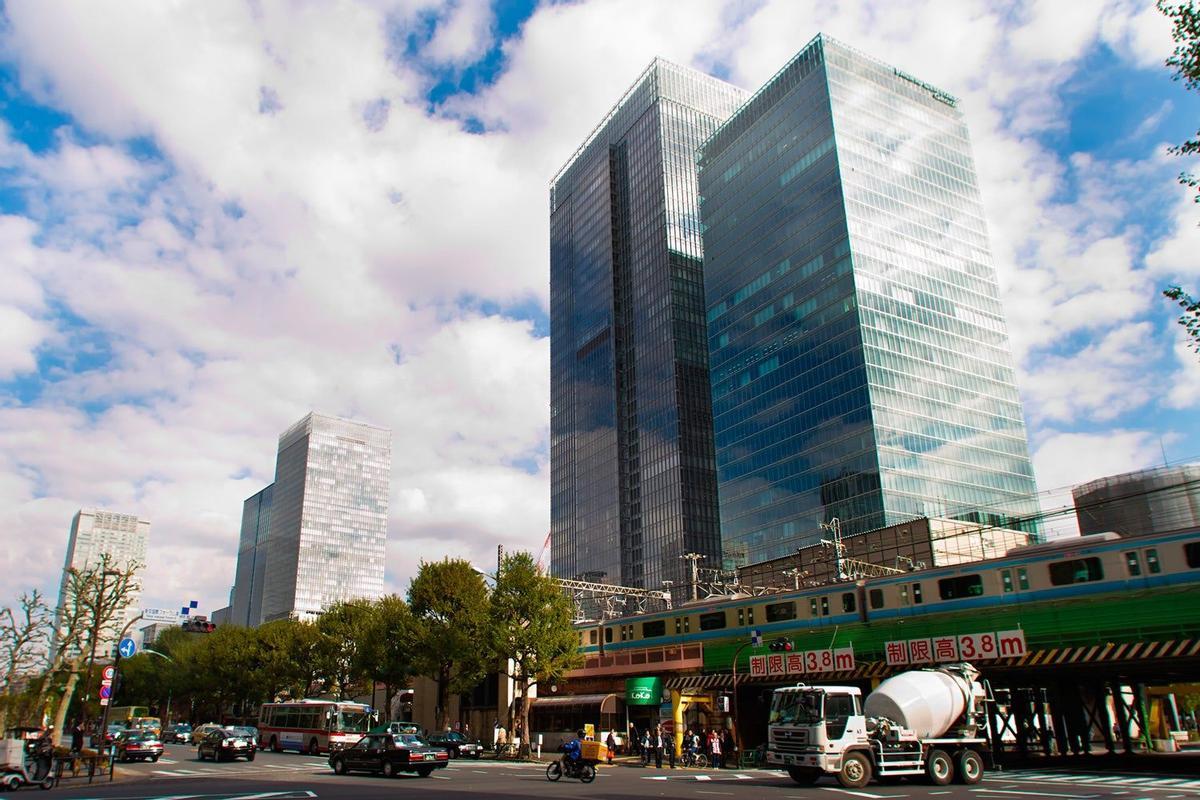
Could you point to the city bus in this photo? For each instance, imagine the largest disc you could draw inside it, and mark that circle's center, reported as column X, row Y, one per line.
column 136, row 717
column 313, row 726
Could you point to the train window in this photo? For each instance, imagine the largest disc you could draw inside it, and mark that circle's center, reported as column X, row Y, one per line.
column 741, row 618
column 917, row 600
column 778, row 612
column 903, row 595
column 960, row 587
column 812, row 604
column 1077, row 570
column 608, row 635
column 712, row 622
column 1152, row 563
column 848, row 603
column 750, row 615
column 1133, row 564
column 824, row 606
column 687, row 624
column 876, row 597
column 592, row 636
column 1191, row 552
column 652, row 629
column 1022, row 578
column 678, row 626
column 1006, row 579
column 622, row 633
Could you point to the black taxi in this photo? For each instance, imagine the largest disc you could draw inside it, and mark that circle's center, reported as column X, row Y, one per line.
column 389, row 754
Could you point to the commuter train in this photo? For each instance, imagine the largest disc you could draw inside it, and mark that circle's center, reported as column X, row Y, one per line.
column 1076, row 591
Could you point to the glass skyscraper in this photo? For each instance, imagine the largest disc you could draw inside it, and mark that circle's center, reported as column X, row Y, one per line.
column 327, row 532
column 245, row 600
column 632, row 482
column 859, row 354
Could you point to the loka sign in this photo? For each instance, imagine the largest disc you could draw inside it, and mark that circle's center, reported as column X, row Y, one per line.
column 805, row 663
column 971, row 647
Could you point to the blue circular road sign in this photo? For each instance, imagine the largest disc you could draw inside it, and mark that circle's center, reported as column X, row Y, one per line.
column 127, row 647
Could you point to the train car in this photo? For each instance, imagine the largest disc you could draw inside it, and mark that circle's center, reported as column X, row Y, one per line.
column 1074, row 591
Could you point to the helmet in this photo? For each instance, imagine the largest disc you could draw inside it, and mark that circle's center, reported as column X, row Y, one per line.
column 582, row 734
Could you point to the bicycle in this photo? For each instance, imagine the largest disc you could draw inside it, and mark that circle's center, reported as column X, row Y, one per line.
column 691, row 758
column 509, row 750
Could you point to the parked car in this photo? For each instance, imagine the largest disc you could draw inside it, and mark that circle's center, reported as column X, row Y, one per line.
column 179, row 732
column 456, row 744
column 134, row 745
column 397, row 727
column 224, row 745
column 389, row 754
column 247, row 731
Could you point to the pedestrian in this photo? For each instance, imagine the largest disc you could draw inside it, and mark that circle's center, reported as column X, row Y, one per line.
column 466, row 731
column 646, row 747
column 656, row 741
column 76, row 738
column 501, row 738
column 669, row 743
column 729, row 746
column 611, row 744
column 718, row 757
column 635, row 742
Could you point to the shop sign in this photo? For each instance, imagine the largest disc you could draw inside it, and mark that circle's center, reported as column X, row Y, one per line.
column 643, row 691
column 809, row 662
column 970, row 647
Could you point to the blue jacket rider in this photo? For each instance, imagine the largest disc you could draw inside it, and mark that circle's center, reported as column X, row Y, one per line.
column 573, row 749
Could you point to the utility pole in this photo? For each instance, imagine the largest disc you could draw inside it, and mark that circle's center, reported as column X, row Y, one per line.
column 499, row 560
column 834, row 526
column 695, row 559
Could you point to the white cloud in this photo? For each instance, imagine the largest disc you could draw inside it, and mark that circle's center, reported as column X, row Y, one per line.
column 316, row 253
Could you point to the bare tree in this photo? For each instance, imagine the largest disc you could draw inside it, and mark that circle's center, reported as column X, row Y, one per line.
column 93, row 614
column 24, row 635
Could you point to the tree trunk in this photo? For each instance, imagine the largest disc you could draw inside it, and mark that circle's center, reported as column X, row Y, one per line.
column 443, row 709
column 389, row 696
column 60, row 713
column 526, row 734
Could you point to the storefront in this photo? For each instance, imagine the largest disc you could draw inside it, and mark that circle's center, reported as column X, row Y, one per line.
column 559, row 719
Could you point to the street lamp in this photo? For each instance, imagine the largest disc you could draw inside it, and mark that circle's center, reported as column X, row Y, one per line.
column 170, row 688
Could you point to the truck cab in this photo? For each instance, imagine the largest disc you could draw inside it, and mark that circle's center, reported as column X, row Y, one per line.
column 812, row 727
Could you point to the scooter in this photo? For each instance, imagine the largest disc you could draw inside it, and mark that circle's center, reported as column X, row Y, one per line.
column 584, row 769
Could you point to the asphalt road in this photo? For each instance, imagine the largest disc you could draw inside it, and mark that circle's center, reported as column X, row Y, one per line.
column 179, row 776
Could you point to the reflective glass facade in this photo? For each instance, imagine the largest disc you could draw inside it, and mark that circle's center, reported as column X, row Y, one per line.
column 328, row 520
column 632, row 480
column 246, row 599
column 859, row 355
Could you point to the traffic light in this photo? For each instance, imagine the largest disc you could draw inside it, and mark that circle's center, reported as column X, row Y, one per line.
column 781, row 645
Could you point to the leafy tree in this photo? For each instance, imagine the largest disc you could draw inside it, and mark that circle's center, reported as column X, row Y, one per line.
column 1185, row 63
column 24, row 634
column 344, row 628
column 391, row 646
column 289, row 667
column 449, row 603
column 530, row 628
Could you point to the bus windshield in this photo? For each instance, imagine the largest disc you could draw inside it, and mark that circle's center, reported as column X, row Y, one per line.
column 795, row 708
column 353, row 721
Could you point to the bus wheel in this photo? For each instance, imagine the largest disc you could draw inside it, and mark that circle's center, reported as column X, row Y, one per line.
column 314, row 747
column 275, row 748
column 970, row 767
column 856, row 771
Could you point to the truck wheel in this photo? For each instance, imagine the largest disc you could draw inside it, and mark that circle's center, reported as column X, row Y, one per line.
column 804, row 776
column 856, row 771
column 939, row 769
column 970, row 767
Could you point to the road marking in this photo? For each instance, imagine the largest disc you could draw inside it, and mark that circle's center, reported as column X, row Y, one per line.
column 702, row 791
column 1035, row 794
column 861, row 794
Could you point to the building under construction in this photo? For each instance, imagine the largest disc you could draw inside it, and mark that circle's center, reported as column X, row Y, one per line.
column 1140, row 503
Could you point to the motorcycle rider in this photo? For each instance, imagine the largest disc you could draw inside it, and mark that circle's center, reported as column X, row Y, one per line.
column 572, row 751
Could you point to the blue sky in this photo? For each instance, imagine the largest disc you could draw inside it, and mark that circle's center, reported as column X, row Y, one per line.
column 217, row 217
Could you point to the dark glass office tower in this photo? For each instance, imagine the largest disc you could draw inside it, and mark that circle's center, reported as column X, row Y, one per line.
column 632, row 480
column 859, row 355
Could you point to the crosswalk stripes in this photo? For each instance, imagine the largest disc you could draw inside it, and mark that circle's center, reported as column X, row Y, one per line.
column 1152, row 782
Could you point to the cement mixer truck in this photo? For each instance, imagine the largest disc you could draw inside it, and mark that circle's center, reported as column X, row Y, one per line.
column 929, row 723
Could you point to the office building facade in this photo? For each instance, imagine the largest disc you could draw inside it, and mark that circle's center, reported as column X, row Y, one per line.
column 327, row 532
column 859, row 356
column 245, row 602
column 96, row 532
column 632, row 482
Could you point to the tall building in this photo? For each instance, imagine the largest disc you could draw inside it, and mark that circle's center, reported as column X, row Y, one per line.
column 245, row 600
column 327, row 532
column 632, row 482
column 1140, row 503
column 94, row 533
column 858, row 349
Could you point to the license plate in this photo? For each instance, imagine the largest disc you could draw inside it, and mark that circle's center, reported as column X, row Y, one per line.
column 430, row 756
